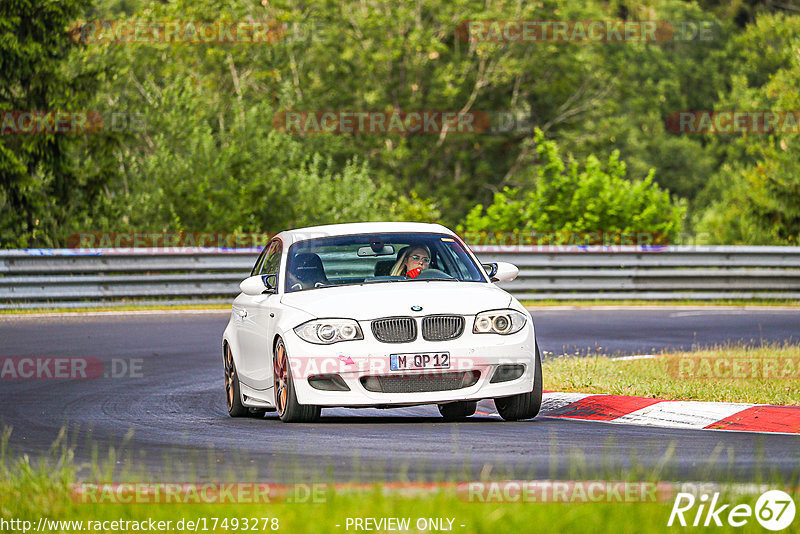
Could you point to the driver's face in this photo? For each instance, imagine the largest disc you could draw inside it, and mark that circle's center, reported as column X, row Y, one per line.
column 418, row 258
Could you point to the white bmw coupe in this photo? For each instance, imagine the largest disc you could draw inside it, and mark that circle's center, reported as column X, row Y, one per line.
column 378, row 315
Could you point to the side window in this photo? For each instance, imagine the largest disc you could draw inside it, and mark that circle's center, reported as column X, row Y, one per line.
column 260, row 261
column 272, row 261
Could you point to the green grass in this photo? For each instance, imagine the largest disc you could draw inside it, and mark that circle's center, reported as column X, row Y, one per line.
column 324, row 518
column 52, row 503
column 42, row 489
column 663, row 377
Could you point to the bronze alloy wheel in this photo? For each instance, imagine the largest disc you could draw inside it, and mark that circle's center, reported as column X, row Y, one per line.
column 289, row 410
column 229, row 374
column 232, row 397
column 280, row 371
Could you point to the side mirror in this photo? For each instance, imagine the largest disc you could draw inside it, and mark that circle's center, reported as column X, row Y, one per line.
column 258, row 285
column 505, row 272
column 490, row 268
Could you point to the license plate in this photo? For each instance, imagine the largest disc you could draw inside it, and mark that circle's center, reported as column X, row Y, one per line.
column 429, row 360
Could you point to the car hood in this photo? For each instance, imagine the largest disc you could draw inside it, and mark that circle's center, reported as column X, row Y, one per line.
column 370, row 301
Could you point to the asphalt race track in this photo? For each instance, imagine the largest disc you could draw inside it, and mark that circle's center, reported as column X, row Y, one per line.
column 168, row 420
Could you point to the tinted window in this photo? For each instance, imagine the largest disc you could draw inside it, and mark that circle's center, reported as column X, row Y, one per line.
column 369, row 258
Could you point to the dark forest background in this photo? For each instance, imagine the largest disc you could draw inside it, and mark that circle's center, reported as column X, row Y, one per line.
column 194, row 148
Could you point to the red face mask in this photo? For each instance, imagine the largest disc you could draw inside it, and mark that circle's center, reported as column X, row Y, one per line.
column 413, row 273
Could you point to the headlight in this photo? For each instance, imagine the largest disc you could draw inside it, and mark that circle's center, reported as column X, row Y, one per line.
column 499, row 322
column 327, row 331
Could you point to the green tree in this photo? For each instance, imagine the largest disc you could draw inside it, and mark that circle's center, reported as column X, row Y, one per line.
column 755, row 196
column 248, row 177
column 40, row 190
column 205, row 155
column 209, row 157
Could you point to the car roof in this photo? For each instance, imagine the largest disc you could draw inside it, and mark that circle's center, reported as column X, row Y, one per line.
column 328, row 230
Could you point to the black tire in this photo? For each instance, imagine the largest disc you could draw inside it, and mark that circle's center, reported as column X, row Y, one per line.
column 289, row 410
column 524, row 405
column 456, row 411
column 233, row 395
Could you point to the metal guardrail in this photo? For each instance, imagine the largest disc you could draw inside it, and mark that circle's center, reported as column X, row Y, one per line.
column 88, row 277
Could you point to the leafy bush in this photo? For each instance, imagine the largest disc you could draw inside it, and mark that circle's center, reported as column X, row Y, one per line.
column 566, row 198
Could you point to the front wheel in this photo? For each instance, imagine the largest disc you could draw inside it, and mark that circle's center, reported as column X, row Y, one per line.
column 289, row 410
column 523, row 405
column 233, row 397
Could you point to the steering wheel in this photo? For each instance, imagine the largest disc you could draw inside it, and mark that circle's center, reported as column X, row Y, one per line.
column 433, row 274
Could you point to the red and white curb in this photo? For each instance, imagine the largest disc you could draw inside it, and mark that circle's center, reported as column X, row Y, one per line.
column 672, row 414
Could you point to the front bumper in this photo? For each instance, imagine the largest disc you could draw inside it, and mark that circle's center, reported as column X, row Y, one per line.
column 354, row 360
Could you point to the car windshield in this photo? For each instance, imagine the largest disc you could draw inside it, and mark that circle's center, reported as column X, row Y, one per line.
column 370, row 258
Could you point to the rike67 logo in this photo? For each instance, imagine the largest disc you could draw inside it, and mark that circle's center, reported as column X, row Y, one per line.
column 774, row 510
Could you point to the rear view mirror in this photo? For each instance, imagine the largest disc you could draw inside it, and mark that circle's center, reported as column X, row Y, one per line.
column 258, row 285
column 505, row 272
column 385, row 250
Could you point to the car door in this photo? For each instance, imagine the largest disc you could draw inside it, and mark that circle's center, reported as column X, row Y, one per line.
column 256, row 317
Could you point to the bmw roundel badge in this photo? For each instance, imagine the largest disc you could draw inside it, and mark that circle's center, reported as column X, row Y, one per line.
column 416, row 308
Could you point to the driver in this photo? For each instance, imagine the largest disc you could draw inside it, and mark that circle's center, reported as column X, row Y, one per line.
column 412, row 262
